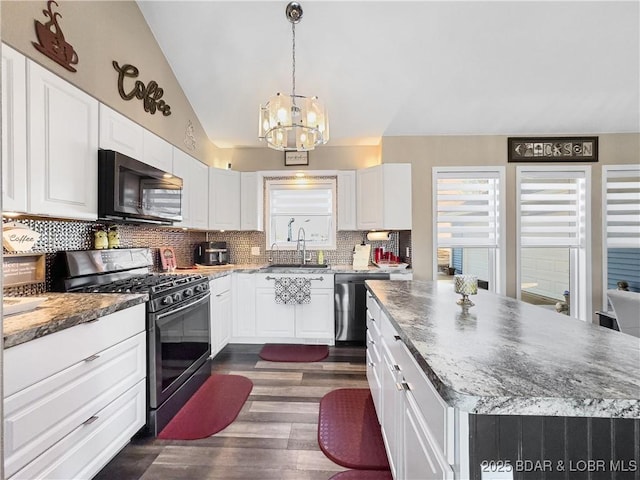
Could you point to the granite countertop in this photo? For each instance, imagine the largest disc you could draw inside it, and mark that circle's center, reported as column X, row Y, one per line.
column 64, row 310
column 222, row 270
column 506, row 357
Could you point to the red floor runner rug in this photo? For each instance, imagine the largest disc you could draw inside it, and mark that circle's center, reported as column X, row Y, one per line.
column 349, row 432
column 275, row 352
column 363, row 475
column 212, row 408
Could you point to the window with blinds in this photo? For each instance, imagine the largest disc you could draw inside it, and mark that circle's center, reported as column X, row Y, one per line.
column 622, row 205
column 468, row 215
column 301, row 208
column 467, row 208
column 621, row 222
column 553, row 205
column 552, row 208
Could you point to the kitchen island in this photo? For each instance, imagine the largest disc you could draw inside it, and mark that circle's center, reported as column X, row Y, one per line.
column 517, row 383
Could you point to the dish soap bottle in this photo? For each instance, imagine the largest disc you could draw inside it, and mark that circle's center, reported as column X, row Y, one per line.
column 321, row 257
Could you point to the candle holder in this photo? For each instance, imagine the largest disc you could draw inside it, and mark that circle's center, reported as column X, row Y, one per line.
column 465, row 285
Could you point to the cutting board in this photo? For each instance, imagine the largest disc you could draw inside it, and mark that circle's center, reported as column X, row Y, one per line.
column 361, row 255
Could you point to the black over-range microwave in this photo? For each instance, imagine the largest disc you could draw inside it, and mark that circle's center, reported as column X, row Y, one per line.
column 130, row 190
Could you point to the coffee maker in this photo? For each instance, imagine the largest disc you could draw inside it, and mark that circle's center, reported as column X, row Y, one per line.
column 211, row 253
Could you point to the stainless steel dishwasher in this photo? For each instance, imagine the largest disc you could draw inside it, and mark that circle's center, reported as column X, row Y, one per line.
column 350, row 301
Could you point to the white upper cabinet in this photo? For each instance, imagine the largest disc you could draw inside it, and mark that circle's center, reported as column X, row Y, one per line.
column 347, row 200
column 156, row 152
column 63, row 147
column 119, row 133
column 195, row 187
column 224, row 199
column 251, row 201
column 384, row 197
column 14, row 131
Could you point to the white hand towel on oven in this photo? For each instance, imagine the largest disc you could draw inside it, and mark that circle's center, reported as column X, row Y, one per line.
column 292, row 291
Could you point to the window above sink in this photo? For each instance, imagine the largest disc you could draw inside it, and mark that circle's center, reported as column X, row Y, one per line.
column 301, row 207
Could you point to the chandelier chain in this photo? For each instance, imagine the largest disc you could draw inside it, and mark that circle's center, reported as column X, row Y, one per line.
column 293, row 63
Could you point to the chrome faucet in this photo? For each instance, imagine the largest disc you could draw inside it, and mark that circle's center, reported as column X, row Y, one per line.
column 304, row 245
column 274, row 244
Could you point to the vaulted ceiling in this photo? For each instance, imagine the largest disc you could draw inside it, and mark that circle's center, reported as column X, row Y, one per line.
column 386, row 68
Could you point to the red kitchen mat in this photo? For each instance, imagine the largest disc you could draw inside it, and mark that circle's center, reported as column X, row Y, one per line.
column 349, row 432
column 212, row 408
column 363, row 475
column 276, row 352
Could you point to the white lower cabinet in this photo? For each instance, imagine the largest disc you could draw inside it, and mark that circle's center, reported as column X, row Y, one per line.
column 391, row 408
column 244, row 307
column 74, row 398
column 221, row 313
column 419, row 456
column 412, row 415
column 311, row 323
column 273, row 320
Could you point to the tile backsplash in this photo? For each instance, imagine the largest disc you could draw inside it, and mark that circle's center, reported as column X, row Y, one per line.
column 240, row 243
column 58, row 235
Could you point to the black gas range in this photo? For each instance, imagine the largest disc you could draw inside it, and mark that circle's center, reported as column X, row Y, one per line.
column 178, row 319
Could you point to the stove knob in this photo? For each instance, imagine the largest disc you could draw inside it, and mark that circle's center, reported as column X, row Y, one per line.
column 188, row 292
column 167, row 300
column 177, row 297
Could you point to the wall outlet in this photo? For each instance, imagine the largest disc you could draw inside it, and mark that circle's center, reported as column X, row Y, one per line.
column 255, row 251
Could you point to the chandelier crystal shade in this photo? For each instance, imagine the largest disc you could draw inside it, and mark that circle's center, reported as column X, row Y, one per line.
column 293, row 122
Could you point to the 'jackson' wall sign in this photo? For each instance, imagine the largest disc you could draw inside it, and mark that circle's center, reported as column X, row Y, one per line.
column 150, row 94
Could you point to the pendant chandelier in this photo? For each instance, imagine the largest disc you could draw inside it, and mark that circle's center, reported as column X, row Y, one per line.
column 293, row 122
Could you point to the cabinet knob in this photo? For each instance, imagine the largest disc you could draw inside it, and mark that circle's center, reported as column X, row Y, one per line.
column 396, row 337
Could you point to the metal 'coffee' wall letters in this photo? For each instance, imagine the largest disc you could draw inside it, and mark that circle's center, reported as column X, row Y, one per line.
column 150, row 94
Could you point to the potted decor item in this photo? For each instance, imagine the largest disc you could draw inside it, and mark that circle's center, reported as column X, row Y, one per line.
column 113, row 237
column 100, row 238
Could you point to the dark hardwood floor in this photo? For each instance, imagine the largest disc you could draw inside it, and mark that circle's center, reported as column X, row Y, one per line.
column 274, row 436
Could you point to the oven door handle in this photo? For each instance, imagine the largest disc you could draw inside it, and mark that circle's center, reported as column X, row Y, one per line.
column 183, row 307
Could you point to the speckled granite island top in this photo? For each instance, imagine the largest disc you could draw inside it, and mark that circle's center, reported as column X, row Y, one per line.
column 506, row 357
column 64, row 310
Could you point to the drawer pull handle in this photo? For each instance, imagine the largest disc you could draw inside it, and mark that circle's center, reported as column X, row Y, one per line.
column 90, row 420
column 371, row 364
column 396, row 337
column 403, row 386
column 219, row 295
column 92, row 358
column 372, row 342
column 393, row 368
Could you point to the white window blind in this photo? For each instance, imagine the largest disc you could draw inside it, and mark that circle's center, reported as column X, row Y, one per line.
column 552, row 207
column 622, row 205
column 301, row 200
column 301, row 208
column 467, row 208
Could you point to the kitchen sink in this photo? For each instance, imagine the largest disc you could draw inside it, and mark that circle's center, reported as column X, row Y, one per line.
column 286, row 266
